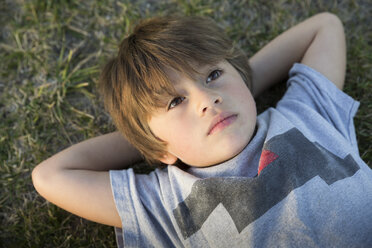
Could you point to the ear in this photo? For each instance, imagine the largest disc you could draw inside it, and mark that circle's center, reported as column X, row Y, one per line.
column 168, row 159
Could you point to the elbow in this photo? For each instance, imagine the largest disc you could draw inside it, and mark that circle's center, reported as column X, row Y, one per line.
column 38, row 177
column 41, row 177
column 330, row 19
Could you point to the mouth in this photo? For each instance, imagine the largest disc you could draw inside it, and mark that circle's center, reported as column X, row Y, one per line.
column 221, row 121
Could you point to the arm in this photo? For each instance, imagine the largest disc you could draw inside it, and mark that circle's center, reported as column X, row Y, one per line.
column 77, row 178
column 318, row 42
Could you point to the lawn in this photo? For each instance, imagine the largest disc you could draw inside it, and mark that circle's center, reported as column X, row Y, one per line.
column 51, row 54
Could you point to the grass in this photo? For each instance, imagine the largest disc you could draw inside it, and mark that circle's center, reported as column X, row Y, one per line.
column 51, row 53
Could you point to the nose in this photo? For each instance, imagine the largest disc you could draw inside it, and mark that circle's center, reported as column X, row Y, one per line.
column 208, row 100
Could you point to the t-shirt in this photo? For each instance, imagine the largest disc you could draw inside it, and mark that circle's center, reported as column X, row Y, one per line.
column 300, row 182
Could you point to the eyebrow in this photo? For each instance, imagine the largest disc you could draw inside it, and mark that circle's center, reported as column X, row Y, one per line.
column 203, row 70
column 207, row 69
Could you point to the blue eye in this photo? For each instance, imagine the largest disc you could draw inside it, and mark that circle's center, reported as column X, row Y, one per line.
column 175, row 102
column 213, row 75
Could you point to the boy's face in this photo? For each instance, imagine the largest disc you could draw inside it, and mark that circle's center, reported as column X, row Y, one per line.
column 189, row 123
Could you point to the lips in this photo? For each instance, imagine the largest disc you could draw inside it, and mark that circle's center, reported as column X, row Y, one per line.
column 221, row 121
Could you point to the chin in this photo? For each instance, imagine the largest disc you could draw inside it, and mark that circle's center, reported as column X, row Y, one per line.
column 231, row 153
column 238, row 147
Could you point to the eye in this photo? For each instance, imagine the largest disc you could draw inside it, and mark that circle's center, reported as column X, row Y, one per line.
column 213, row 75
column 175, row 102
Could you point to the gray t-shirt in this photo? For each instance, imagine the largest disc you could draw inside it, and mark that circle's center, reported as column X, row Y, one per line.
column 300, row 182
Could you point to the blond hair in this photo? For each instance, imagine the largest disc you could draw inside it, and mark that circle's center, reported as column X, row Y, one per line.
column 135, row 83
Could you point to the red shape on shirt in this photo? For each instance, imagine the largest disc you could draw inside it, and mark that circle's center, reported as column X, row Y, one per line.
column 266, row 158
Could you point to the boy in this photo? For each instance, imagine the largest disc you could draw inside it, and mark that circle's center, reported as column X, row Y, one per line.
column 181, row 94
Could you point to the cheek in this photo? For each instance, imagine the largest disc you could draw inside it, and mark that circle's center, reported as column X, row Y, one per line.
column 177, row 130
column 181, row 138
column 241, row 94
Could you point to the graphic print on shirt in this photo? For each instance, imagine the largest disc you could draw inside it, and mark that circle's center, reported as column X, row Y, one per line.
column 291, row 160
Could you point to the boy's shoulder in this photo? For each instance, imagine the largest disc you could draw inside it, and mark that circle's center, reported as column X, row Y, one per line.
column 317, row 108
column 305, row 82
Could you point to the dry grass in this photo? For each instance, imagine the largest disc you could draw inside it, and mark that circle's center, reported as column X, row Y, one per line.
column 51, row 55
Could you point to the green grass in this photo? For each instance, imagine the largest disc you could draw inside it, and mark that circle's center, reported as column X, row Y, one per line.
column 51, row 53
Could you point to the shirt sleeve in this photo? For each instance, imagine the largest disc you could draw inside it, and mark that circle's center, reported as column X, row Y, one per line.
column 138, row 201
column 308, row 86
